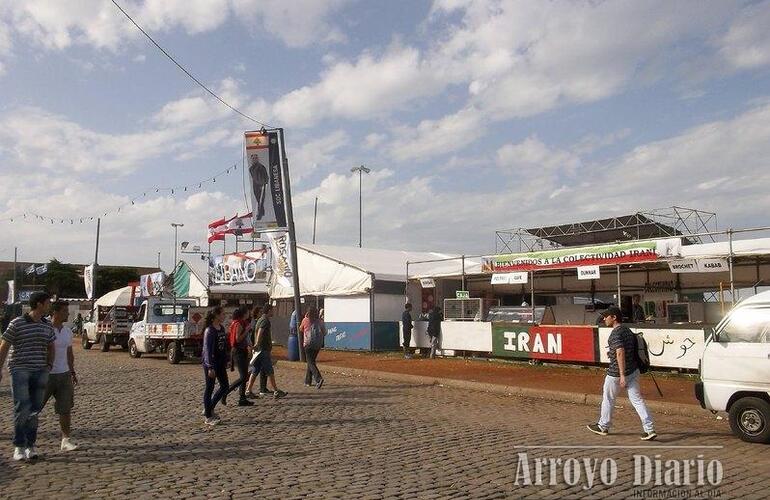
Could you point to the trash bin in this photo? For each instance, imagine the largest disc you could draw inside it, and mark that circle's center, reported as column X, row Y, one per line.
column 293, row 347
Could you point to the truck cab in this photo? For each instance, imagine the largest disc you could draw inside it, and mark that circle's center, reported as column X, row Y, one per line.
column 108, row 326
column 735, row 369
column 163, row 326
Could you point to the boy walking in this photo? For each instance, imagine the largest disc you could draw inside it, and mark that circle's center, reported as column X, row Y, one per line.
column 262, row 361
column 62, row 379
column 623, row 373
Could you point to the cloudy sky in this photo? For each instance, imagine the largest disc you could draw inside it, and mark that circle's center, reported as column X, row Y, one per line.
column 473, row 116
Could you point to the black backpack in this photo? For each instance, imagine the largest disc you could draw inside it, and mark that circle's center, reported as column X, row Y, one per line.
column 642, row 353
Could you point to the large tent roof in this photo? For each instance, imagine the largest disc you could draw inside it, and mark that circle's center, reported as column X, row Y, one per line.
column 335, row 270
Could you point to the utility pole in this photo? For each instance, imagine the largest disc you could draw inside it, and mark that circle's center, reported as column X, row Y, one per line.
column 292, row 239
column 15, row 263
column 315, row 217
column 360, row 171
column 158, row 261
column 96, row 263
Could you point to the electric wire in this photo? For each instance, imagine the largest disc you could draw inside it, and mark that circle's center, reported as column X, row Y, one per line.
column 186, row 72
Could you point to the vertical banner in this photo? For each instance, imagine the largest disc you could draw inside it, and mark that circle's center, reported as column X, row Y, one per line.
column 88, row 278
column 263, row 161
column 11, row 292
column 279, row 244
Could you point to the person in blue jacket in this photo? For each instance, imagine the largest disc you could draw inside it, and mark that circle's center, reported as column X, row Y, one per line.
column 214, row 363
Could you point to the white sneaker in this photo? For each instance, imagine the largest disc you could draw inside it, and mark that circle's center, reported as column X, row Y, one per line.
column 67, row 445
column 212, row 421
column 30, row 453
column 18, row 454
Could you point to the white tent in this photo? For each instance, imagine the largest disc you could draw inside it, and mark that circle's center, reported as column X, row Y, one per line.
column 119, row 297
column 340, row 271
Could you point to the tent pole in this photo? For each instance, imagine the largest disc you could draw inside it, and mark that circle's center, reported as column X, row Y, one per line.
column 463, row 284
column 532, row 294
column 730, row 263
column 406, row 284
column 618, row 271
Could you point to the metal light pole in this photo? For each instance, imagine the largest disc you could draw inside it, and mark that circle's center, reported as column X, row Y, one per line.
column 360, row 171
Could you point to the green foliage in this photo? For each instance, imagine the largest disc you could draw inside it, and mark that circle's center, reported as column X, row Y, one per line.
column 62, row 280
column 110, row 278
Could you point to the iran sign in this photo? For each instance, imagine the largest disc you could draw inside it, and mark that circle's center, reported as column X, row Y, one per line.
column 600, row 255
column 556, row 343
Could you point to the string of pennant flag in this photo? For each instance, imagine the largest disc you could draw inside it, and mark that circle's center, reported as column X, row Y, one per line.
column 81, row 219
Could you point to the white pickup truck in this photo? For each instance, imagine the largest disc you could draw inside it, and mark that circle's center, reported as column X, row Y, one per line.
column 735, row 369
column 163, row 326
column 108, row 326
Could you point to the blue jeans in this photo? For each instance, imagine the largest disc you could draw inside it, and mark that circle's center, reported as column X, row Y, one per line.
column 611, row 390
column 28, row 387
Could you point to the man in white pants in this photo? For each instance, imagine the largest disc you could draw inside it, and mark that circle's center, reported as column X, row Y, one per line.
column 623, row 373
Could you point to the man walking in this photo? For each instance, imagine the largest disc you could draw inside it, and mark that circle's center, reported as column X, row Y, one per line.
column 30, row 341
column 406, row 322
column 262, row 361
column 434, row 329
column 240, row 351
column 623, row 373
column 62, row 378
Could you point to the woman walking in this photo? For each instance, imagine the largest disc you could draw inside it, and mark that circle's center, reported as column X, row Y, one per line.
column 214, row 362
column 240, row 352
column 313, row 331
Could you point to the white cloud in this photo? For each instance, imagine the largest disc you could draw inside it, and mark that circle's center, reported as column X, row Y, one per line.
column 435, row 137
column 747, row 43
column 316, row 153
column 369, row 86
column 297, row 23
column 720, row 166
column 132, row 237
column 57, row 25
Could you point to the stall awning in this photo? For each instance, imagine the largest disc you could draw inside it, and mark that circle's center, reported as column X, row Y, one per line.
column 337, row 271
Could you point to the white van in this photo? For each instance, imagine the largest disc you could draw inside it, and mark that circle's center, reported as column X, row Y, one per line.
column 735, row 369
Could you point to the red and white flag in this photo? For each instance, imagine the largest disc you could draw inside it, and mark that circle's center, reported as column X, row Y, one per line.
column 217, row 230
column 240, row 225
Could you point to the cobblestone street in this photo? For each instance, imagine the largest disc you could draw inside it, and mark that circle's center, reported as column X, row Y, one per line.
column 139, row 425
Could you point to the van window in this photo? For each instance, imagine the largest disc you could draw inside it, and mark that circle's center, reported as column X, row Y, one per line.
column 747, row 325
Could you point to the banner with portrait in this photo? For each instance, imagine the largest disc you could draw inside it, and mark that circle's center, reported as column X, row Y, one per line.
column 265, row 175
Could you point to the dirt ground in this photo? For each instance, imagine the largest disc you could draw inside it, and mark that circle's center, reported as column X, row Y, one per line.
column 676, row 388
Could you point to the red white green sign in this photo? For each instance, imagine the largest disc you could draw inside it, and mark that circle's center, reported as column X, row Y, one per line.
column 550, row 342
column 599, row 255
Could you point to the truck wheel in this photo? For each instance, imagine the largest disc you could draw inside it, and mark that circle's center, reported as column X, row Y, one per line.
column 84, row 342
column 174, row 352
column 104, row 346
column 133, row 351
column 750, row 420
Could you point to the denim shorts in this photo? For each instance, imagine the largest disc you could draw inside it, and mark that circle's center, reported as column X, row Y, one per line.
column 263, row 363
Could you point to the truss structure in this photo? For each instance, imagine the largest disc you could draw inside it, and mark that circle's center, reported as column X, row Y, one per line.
column 657, row 223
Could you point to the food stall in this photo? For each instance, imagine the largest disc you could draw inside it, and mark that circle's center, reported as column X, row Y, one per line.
column 669, row 288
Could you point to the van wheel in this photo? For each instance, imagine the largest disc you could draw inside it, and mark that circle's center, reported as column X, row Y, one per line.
column 104, row 346
column 750, row 420
column 133, row 351
column 84, row 342
column 174, row 352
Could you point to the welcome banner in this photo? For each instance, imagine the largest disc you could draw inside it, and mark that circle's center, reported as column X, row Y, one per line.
column 599, row 255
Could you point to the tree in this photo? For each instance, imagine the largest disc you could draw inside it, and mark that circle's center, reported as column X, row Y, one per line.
column 111, row 278
column 63, row 280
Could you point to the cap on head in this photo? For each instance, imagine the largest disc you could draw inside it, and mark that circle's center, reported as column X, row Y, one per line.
column 612, row 311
